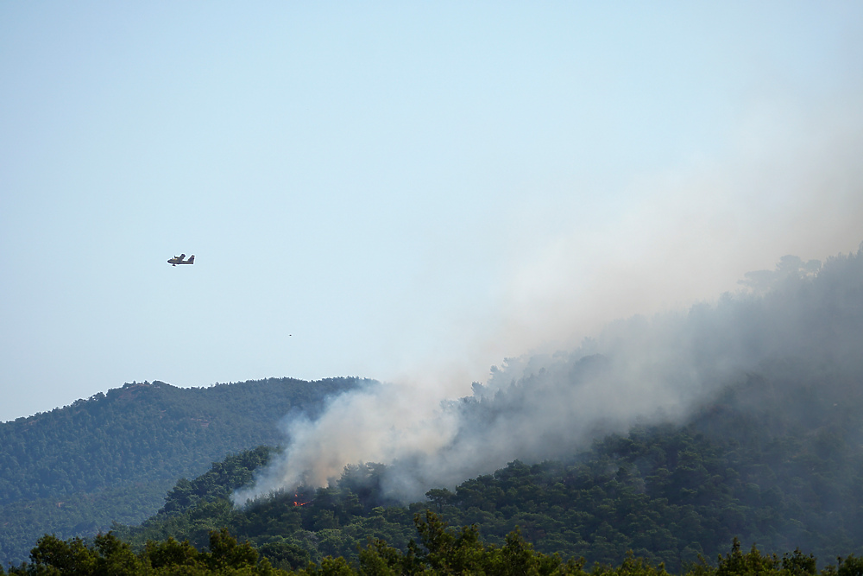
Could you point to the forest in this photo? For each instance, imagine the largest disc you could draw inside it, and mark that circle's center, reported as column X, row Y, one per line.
column 764, row 453
column 440, row 550
column 75, row 470
column 670, row 495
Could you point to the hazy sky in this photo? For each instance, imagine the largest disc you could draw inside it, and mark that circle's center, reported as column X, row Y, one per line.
column 402, row 191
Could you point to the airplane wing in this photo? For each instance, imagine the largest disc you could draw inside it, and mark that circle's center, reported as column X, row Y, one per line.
column 180, row 260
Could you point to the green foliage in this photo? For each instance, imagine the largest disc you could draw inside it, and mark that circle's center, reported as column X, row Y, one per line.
column 226, row 553
column 670, row 494
column 774, row 458
column 109, row 556
column 170, row 553
column 285, row 553
column 71, row 557
column 441, row 551
column 76, row 470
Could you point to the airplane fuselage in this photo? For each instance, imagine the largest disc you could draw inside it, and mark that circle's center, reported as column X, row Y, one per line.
column 180, row 260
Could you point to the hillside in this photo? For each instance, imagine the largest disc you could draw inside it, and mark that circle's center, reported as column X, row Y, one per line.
column 669, row 493
column 76, row 470
column 439, row 549
column 667, row 437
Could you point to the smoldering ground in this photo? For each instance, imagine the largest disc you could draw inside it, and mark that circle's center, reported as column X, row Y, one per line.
column 536, row 407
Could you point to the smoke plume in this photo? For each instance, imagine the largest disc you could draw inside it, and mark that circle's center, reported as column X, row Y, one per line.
column 676, row 236
column 538, row 407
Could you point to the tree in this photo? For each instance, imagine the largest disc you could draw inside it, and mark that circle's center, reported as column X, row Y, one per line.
column 67, row 557
column 225, row 552
column 170, row 553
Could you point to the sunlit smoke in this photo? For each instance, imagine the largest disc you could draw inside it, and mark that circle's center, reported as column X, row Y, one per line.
column 641, row 370
column 380, row 422
column 682, row 235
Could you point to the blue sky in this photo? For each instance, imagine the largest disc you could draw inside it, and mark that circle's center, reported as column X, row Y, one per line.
column 401, row 191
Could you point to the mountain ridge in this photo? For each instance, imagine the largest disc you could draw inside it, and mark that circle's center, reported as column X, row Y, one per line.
column 111, row 458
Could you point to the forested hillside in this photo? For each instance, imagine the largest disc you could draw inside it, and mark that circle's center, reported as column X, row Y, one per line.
column 767, row 446
column 669, row 437
column 438, row 550
column 800, row 328
column 668, row 493
column 75, row 470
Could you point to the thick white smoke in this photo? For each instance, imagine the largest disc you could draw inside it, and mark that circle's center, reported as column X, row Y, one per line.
column 380, row 422
column 682, row 235
column 548, row 406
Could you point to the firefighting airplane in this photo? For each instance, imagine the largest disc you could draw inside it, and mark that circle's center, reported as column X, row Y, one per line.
column 179, row 260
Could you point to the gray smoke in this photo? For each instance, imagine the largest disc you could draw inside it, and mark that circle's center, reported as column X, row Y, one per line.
column 543, row 406
column 788, row 179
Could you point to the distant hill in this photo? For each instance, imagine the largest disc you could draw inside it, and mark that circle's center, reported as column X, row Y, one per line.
column 743, row 467
column 74, row 471
column 769, row 447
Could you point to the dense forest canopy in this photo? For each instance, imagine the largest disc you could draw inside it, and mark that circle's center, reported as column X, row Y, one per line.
column 669, row 437
column 766, row 446
column 669, row 493
column 804, row 333
column 439, row 550
column 75, row 470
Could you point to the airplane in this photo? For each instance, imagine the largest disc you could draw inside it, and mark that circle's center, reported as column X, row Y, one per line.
column 179, row 260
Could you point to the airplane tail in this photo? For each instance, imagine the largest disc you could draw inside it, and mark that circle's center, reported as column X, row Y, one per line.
column 192, row 259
